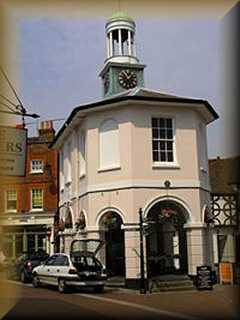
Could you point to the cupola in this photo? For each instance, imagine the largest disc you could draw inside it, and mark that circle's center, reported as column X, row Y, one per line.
column 120, row 37
column 122, row 70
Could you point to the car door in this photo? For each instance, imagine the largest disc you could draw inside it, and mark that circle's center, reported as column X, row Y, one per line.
column 45, row 273
column 60, row 268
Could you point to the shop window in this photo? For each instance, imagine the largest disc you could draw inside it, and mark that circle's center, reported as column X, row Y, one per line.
column 11, row 200
column 36, row 166
column 37, row 199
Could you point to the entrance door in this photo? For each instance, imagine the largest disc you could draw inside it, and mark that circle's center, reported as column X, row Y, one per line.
column 114, row 243
column 166, row 241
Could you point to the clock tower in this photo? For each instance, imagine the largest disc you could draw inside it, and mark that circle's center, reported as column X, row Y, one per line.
column 122, row 70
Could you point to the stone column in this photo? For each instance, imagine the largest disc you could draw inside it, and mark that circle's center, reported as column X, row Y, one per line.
column 134, row 51
column 14, row 245
column 107, row 46
column 25, row 248
column 120, row 42
column 197, row 246
column 132, row 256
column 36, row 242
column 111, row 44
column 129, row 43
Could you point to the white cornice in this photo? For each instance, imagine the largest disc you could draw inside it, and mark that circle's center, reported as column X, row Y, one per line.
column 129, row 184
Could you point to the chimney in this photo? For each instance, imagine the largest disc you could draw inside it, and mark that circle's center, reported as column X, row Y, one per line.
column 46, row 130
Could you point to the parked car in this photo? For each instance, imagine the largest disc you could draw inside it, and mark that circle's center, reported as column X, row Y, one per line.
column 25, row 263
column 79, row 268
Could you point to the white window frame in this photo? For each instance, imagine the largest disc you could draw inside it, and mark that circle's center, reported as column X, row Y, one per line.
column 167, row 164
column 115, row 165
column 31, row 199
column 68, row 163
column 82, row 152
column 6, row 200
column 33, row 170
column 61, row 170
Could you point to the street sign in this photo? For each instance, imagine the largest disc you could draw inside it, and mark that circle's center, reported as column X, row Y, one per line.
column 13, row 142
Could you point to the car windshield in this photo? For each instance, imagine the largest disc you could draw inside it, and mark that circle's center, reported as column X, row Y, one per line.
column 85, row 263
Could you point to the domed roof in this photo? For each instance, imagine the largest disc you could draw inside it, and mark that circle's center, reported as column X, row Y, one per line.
column 120, row 15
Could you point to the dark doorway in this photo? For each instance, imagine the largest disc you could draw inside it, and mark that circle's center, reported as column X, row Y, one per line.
column 114, row 236
column 166, row 240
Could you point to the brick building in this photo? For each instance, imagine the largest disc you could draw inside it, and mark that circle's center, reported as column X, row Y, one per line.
column 28, row 204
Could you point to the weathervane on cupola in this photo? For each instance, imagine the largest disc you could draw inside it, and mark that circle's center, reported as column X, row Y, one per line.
column 122, row 70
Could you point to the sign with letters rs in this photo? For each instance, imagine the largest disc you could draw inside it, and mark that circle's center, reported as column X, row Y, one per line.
column 13, row 142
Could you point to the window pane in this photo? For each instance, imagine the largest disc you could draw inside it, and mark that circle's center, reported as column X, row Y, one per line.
column 155, row 156
column 37, row 166
column 169, row 123
column 162, row 123
column 162, row 134
column 11, row 200
column 169, row 134
column 154, row 123
column 155, row 133
column 155, row 145
column 37, row 198
column 169, row 145
column 162, row 145
column 170, row 156
column 162, row 156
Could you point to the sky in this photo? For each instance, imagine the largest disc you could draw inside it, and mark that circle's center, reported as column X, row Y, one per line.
column 60, row 59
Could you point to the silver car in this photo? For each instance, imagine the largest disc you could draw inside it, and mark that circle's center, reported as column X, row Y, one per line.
column 80, row 268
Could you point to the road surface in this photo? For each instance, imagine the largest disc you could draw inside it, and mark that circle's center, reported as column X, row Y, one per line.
column 47, row 303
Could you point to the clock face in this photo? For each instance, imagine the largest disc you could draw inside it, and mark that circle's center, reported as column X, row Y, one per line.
column 127, row 79
column 106, row 83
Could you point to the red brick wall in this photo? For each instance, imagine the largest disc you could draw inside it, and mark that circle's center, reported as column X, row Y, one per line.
column 48, row 181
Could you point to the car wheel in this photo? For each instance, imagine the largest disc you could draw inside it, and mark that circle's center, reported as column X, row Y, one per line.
column 98, row 289
column 23, row 277
column 62, row 288
column 36, row 282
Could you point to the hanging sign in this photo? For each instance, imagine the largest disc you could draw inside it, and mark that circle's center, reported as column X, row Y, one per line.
column 13, row 142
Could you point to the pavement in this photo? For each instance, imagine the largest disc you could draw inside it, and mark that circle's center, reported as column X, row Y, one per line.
column 26, row 302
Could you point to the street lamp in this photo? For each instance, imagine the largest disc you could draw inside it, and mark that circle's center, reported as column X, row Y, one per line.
column 143, row 289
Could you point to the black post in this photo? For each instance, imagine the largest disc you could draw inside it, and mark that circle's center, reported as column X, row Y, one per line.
column 142, row 280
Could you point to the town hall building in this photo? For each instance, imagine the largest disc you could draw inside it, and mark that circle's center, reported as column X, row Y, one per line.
column 136, row 148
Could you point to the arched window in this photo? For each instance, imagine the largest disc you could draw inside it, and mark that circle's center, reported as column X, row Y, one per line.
column 109, row 144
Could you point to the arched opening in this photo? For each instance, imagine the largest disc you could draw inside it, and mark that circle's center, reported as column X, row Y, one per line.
column 111, row 232
column 166, row 239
